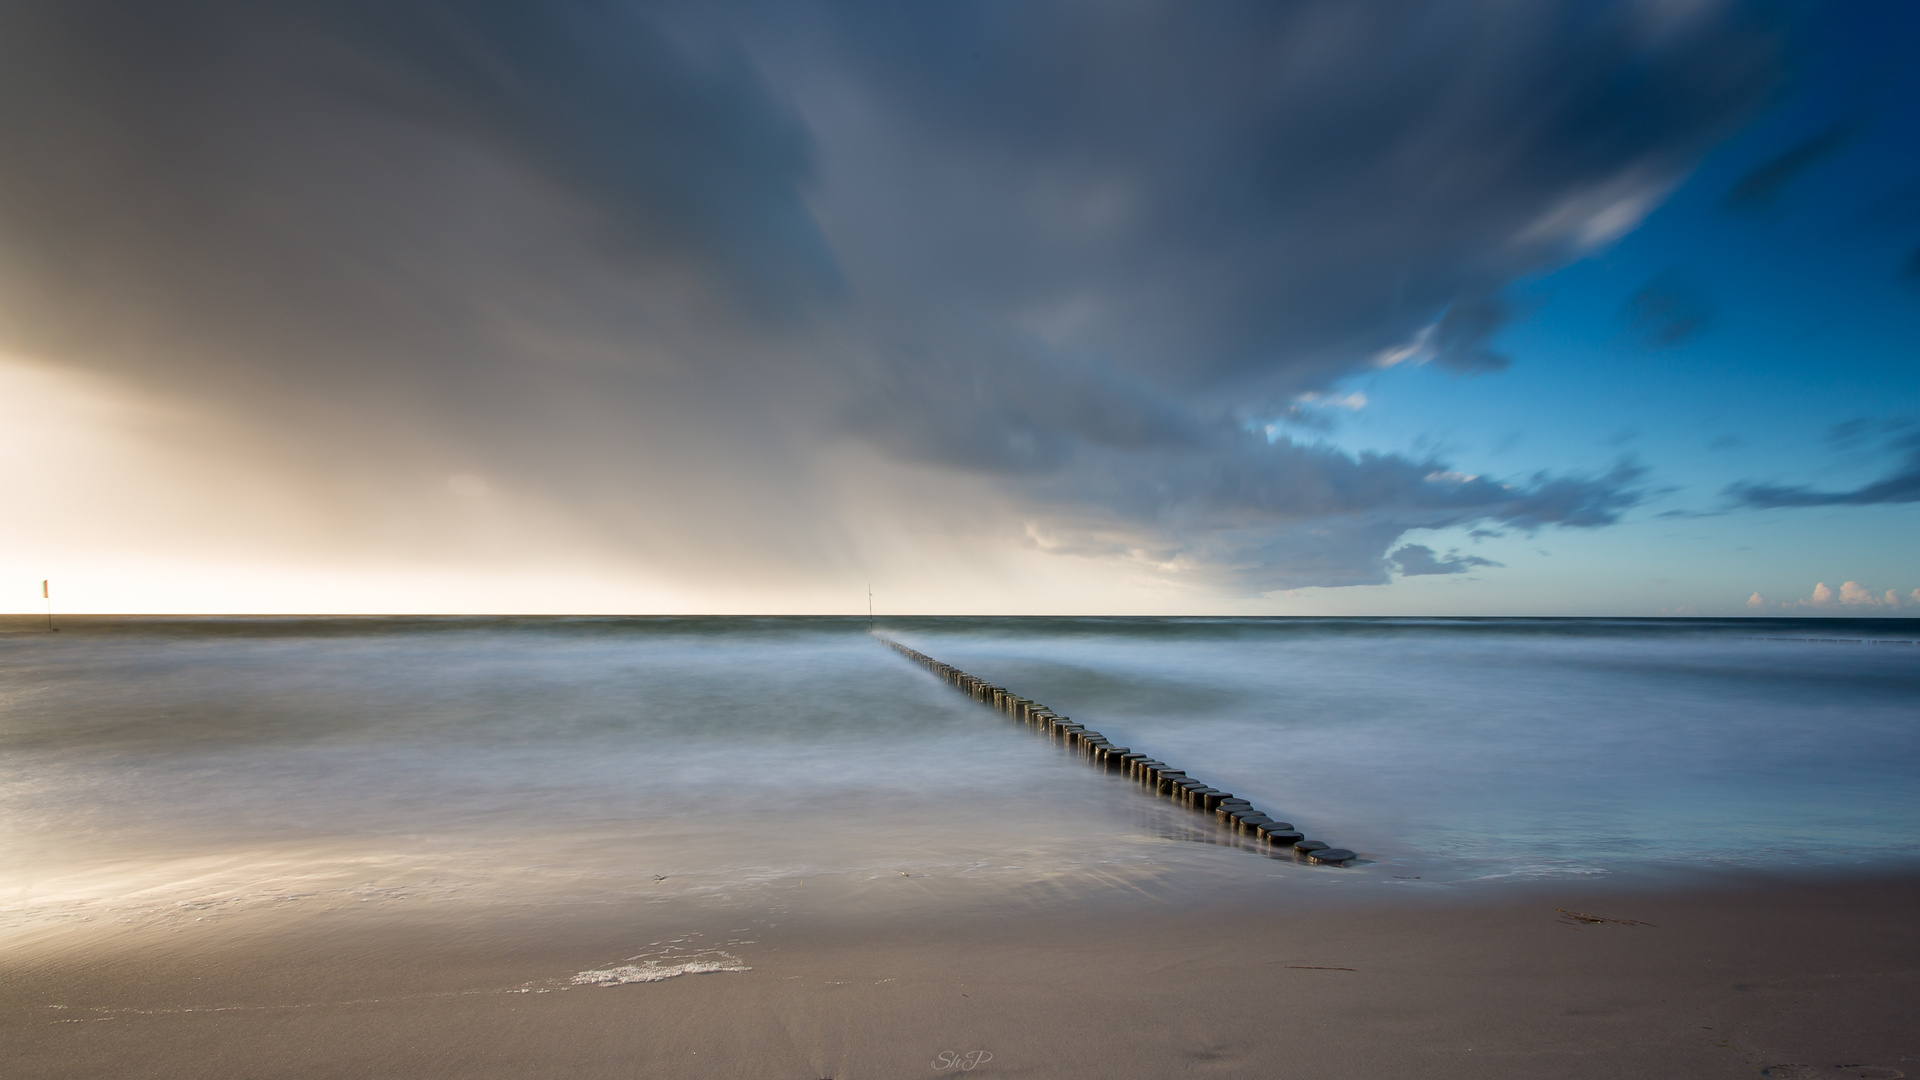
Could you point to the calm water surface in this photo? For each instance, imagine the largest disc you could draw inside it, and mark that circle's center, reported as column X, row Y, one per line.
column 183, row 766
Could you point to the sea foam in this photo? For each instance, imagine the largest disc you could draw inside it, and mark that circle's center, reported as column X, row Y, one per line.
column 646, row 973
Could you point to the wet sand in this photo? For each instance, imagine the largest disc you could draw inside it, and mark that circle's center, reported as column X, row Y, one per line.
column 1737, row 980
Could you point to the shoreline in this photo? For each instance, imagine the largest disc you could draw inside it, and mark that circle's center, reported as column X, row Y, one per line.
column 1741, row 978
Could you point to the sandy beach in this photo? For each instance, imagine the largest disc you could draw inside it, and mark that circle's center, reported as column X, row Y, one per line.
column 1740, row 979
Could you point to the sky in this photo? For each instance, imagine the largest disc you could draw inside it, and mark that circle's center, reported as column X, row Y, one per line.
column 1498, row 307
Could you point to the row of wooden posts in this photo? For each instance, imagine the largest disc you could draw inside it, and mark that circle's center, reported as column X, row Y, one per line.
column 1232, row 813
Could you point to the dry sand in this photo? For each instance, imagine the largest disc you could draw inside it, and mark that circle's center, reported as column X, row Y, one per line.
column 1744, row 980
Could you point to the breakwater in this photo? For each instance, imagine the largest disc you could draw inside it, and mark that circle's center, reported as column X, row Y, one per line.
column 1234, row 814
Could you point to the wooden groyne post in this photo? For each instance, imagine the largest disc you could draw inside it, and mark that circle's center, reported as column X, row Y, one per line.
column 1174, row 784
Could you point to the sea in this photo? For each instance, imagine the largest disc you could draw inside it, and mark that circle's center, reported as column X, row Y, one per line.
column 160, row 770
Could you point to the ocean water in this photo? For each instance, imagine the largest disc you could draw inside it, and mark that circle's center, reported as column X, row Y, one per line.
column 1489, row 748
column 174, row 769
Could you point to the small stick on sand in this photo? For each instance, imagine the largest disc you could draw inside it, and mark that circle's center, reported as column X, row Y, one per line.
column 1575, row 916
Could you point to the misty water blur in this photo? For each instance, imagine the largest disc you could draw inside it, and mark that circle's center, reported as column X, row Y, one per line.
column 179, row 765
column 1513, row 746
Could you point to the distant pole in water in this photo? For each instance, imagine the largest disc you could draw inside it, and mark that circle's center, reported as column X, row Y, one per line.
column 46, row 593
column 869, row 608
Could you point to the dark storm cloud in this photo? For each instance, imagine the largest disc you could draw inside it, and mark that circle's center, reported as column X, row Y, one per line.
column 640, row 257
column 378, row 243
column 1008, row 404
column 1461, row 341
column 1240, row 504
column 1899, row 485
column 1253, row 197
column 1416, row 560
column 183, row 149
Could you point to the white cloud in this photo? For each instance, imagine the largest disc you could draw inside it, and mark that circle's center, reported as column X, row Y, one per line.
column 1418, row 350
column 1852, row 594
column 1755, row 602
column 1822, row 596
column 1599, row 215
column 1353, row 402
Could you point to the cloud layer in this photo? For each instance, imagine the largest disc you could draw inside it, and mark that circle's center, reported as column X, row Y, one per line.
column 1900, row 485
column 1852, row 594
column 748, row 285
